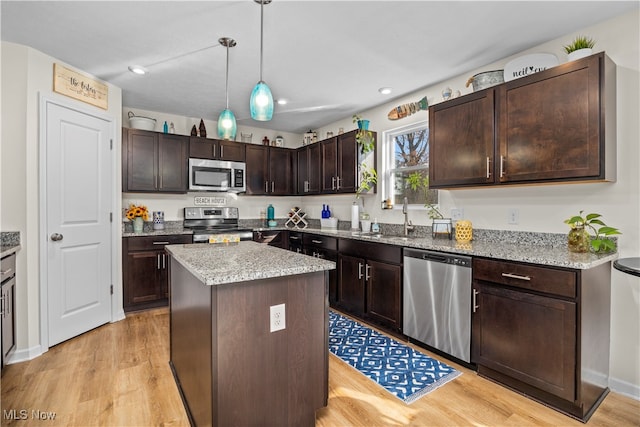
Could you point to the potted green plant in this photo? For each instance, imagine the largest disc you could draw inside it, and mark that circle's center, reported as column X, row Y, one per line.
column 581, row 240
column 419, row 182
column 580, row 47
column 364, row 137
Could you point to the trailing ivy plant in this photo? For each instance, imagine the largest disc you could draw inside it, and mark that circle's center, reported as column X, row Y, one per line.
column 368, row 178
column 592, row 223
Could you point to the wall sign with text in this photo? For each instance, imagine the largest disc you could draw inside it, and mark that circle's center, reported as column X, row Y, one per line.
column 80, row 87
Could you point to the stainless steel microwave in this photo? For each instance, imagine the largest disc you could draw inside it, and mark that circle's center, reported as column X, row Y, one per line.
column 216, row 175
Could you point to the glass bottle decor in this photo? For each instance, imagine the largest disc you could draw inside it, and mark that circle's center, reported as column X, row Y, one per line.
column 578, row 239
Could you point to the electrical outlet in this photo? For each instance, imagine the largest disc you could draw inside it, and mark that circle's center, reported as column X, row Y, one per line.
column 513, row 216
column 457, row 213
column 277, row 317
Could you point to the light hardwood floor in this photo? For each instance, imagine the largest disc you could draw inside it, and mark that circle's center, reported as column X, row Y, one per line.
column 118, row 375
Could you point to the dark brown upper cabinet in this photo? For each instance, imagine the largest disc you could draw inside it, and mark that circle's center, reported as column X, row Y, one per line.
column 341, row 159
column 462, row 141
column 154, row 162
column 557, row 125
column 269, row 170
column 309, row 167
column 216, row 149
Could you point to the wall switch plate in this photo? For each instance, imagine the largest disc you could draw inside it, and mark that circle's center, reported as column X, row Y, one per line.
column 277, row 317
column 457, row 213
column 513, row 216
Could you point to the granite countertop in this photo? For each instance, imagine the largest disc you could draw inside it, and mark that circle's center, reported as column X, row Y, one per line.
column 167, row 232
column 9, row 243
column 217, row 264
column 535, row 248
column 6, row 250
column 532, row 251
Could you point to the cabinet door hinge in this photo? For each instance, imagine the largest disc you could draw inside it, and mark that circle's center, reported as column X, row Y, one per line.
column 110, row 216
column 111, row 144
column 111, row 289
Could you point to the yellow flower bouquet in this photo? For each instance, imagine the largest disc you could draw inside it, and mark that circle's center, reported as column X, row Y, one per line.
column 137, row 211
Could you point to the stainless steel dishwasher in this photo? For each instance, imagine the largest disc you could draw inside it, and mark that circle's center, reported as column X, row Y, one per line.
column 437, row 301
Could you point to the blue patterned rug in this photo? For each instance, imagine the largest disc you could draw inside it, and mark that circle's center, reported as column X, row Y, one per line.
column 401, row 370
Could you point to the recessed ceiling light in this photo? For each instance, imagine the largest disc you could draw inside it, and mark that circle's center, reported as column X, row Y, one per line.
column 385, row 90
column 282, row 101
column 137, row 69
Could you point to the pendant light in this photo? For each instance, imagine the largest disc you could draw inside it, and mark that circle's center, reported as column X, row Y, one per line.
column 227, row 121
column 261, row 103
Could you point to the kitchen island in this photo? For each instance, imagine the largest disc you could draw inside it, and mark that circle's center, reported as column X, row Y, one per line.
column 230, row 368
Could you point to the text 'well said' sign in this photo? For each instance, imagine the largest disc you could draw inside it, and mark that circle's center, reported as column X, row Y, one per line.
column 80, row 87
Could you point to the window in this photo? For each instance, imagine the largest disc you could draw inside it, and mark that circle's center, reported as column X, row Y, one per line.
column 406, row 165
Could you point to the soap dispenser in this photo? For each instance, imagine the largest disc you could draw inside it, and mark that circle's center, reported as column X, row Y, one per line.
column 375, row 227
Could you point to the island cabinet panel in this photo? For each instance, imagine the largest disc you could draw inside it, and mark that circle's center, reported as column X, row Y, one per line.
column 231, row 370
column 543, row 331
column 462, row 141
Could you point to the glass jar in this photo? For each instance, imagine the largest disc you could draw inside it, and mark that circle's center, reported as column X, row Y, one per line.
column 578, row 239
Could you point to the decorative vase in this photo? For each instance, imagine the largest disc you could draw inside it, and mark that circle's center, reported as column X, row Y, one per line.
column 138, row 224
column 578, row 240
column 580, row 53
column 464, row 231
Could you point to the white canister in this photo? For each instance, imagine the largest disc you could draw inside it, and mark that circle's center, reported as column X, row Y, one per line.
column 366, row 225
column 355, row 217
column 158, row 220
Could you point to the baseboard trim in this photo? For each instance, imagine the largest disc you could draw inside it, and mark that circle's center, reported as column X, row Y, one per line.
column 118, row 316
column 25, row 354
column 625, row 388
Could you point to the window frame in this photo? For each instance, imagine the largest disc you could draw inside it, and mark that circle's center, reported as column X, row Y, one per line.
column 388, row 160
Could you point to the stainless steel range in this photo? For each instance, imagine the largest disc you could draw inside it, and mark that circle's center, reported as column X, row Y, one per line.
column 206, row 222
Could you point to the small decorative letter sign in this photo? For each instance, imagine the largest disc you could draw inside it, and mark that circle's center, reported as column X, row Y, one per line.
column 80, row 87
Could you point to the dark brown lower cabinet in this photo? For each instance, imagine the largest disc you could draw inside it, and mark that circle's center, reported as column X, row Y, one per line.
column 277, row 238
column 7, row 304
column 543, row 331
column 144, row 266
column 370, row 282
column 325, row 247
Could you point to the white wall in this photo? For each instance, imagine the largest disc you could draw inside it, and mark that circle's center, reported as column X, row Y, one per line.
column 543, row 208
column 27, row 74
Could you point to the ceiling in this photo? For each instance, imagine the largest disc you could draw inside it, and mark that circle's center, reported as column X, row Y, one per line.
column 327, row 58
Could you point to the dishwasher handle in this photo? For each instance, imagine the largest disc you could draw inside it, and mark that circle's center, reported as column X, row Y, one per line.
column 434, row 257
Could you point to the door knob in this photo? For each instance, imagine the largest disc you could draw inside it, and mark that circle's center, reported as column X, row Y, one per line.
column 56, row 237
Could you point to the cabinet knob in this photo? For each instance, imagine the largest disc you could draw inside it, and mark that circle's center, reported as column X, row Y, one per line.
column 56, row 237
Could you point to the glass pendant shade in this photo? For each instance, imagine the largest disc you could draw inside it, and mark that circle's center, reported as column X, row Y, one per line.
column 227, row 127
column 261, row 103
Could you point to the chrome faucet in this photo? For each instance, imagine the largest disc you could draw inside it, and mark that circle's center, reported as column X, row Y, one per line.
column 408, row 225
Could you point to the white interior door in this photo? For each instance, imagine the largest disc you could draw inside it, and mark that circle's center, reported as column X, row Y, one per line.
column 78, row 226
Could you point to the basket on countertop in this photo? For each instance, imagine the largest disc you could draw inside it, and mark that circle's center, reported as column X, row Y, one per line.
column 486, row 79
